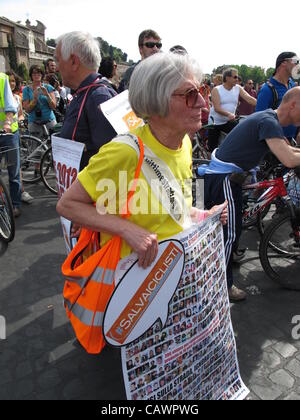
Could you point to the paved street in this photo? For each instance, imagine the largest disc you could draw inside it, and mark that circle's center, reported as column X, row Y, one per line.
column 41, row 360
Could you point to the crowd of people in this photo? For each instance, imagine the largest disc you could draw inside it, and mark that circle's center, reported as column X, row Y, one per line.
column 168, row 92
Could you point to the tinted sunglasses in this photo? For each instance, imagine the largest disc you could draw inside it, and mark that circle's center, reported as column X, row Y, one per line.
column 294, row 60
column 191, row 96
column 153, row 44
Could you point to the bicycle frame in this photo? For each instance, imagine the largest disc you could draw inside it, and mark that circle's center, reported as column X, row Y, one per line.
column 34, row 156
column 276, row 188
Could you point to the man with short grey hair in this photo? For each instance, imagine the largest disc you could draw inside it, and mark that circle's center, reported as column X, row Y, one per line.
column 78, row 57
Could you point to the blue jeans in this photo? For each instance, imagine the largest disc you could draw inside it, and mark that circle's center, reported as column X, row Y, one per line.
column 9, row 142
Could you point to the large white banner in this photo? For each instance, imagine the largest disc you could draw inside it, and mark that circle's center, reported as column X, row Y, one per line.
column 191, row 354
column 66, row 160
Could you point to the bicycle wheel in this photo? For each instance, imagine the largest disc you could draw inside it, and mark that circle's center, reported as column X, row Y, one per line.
column 279, row 252
column 48, row 172
column 200, row 150
column 31, row 151
column 7, row 221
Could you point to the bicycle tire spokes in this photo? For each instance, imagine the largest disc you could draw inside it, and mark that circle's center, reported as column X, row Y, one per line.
column 280, row 252
column 32, row 150
column 48, row 173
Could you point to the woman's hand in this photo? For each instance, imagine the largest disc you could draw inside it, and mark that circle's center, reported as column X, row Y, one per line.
column 75, row 231
column 231, row 116
column 142, row 242
column 44, row 91
column 36, row 93
column 224, row 214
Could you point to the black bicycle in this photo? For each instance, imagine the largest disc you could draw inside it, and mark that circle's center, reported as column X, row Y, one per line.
column 7, row 220
column 32, row 150
column 48, row 172
column 279, row 250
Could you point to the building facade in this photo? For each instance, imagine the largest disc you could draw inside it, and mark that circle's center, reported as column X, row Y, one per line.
column 28, row 41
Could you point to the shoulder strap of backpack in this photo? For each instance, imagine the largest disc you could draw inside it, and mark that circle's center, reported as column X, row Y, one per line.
column 274, row 93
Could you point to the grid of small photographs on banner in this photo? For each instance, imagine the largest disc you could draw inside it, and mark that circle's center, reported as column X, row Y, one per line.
column 194, row 356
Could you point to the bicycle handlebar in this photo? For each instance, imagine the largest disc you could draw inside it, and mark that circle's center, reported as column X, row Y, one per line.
column 213, row 125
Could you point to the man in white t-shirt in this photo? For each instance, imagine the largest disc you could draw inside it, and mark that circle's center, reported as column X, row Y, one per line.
column 225, row 100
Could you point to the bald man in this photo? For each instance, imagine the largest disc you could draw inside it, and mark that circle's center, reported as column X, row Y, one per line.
column 243, row 149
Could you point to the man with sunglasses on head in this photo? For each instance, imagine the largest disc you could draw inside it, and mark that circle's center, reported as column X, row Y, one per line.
column 272, row 92
column 149, row 44
column 225, row 100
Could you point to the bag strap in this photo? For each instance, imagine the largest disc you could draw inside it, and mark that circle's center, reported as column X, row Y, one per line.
column 87, row 89
column 125, row 212
column 274, row 93
column 87, row 234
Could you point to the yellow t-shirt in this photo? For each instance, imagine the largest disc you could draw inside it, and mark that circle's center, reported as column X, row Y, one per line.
column 108, row 176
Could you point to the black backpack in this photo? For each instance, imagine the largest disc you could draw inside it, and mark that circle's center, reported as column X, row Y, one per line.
column 275, row 103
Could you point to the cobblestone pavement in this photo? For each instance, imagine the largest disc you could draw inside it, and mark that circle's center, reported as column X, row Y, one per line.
column 41, row 360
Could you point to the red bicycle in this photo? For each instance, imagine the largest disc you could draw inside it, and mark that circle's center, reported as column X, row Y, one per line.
column 279, row 249
column 259, row 196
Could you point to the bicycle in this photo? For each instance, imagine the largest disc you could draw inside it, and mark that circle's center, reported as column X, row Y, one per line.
column 32, row 150
column 200, row 147
column 48, row 173
column 7, row 220
column 258, row 198
column 279, row 249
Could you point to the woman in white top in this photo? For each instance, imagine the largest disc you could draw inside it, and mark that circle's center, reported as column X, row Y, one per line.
column 225, row 100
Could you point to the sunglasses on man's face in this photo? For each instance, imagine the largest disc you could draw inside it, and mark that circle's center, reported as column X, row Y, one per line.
column 153, row 44
column 191, row 96
column 294, row 60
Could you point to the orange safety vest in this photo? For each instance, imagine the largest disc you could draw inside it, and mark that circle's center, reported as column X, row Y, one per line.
column 90, row 279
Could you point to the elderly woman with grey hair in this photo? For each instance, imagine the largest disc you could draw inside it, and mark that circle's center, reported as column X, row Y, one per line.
column 164, row 91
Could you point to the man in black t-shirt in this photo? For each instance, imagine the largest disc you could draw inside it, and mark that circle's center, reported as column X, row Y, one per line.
column 244, row 148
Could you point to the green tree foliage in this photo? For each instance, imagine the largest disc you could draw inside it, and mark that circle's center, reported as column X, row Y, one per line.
column 270, row 72
column 12, row 55
column 257, row 74
column 23, row 72
column 109, row 50
column 51, row 42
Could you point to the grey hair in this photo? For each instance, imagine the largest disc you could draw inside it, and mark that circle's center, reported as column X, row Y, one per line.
column 228, row 73
column 83, row 45
column 156, row 78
